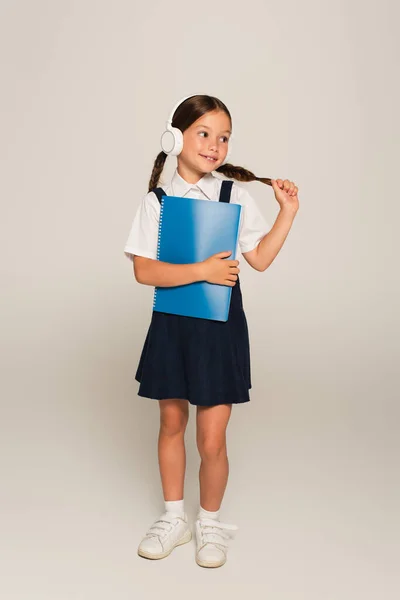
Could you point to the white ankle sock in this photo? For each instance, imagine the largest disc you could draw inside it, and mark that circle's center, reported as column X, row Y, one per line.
column 208, row 514
column 175, row 506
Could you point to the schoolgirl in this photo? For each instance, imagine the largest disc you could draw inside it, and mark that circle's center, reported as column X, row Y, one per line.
column 187, row 360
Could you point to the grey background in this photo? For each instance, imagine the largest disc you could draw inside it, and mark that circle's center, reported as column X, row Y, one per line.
column 313, row 89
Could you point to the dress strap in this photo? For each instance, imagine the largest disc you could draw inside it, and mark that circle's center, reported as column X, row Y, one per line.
column 225, row 193
column 159, row 192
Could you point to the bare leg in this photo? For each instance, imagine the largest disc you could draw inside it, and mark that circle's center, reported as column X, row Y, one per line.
column 174, row 415
column 211, row 422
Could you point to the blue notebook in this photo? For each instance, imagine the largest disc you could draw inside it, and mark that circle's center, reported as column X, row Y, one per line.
column 190, row 231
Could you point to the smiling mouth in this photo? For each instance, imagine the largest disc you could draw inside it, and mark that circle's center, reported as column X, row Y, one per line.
column 209, row 158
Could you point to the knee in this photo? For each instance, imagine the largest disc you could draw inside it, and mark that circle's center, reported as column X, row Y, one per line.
column 173, row 423
column 211, row 449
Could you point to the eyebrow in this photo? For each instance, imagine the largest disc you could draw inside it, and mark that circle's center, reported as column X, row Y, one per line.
column 225, row 130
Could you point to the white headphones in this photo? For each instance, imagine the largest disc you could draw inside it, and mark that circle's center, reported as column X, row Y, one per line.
column 172, row 138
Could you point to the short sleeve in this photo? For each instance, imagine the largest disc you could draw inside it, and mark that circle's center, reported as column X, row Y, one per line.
column 143, row 236
column 253, row 224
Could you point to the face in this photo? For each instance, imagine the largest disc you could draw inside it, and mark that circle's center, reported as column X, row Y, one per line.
column 205, row 142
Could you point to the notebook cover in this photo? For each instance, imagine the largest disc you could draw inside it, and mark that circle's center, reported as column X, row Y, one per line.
column 190, row 231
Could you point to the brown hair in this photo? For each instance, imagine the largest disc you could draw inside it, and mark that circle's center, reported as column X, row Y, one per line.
column 185, row 115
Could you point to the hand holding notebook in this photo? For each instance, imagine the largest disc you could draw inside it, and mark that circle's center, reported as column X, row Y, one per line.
column 217, row 270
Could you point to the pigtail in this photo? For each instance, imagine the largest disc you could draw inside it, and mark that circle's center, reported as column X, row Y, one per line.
column 241, row 174
column 157, row 170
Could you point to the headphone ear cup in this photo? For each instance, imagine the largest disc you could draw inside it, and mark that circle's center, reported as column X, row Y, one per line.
column 172, row 141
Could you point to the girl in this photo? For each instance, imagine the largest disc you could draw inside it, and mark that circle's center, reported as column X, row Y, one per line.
column 198, row 361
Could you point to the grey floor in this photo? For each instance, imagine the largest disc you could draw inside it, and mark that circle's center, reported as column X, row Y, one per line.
column 313, row 488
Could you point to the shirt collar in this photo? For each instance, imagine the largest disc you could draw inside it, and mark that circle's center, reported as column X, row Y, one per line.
column 207, row 185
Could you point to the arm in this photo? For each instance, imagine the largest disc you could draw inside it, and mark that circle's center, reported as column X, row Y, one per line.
column 266, row 250
column 162, row 274
column 215, row 269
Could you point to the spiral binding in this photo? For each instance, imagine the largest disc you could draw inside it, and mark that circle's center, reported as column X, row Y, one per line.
column 158, row 245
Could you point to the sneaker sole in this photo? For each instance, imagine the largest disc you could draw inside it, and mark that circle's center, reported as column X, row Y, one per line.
column 184, row 540
column 204, row 563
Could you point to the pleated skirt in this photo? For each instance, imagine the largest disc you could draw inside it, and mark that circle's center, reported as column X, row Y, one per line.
column 203, row 361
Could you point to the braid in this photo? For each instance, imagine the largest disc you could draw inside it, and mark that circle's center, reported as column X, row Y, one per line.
column 241, row 174
column 157, row 170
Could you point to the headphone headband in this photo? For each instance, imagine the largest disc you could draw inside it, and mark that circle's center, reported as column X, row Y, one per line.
column 169, row 122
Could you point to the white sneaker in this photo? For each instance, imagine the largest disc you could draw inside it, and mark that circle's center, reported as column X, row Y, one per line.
column 169, row 531
column 211, row 542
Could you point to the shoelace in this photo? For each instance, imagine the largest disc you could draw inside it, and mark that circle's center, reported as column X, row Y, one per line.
column 164, row 525
column 215, row 532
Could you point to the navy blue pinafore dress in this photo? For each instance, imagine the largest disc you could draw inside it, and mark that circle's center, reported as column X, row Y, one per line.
column 203, row 361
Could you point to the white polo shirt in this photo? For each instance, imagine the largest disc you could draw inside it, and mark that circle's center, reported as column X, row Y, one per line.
column 143, row 235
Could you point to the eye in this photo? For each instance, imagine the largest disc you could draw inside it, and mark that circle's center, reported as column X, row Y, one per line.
column 224, row 137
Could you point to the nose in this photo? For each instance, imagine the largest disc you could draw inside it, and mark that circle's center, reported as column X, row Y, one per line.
column 213, row 145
